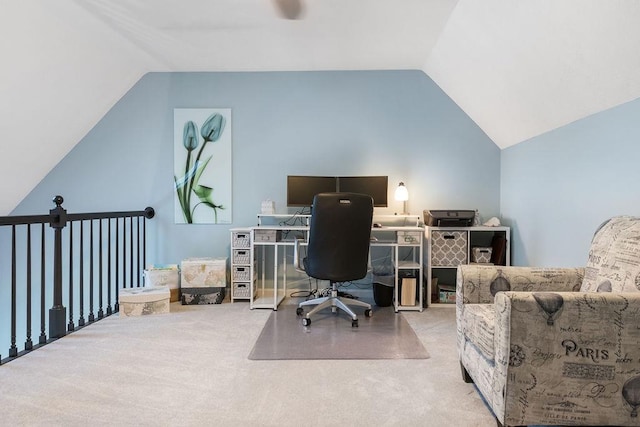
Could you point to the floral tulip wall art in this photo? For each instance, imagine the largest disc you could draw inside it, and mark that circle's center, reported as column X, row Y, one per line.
column 202, row 165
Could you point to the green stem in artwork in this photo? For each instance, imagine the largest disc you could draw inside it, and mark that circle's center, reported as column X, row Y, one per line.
column 185, row 202
column 215, row 211
column 190, row 142
column 192, row 179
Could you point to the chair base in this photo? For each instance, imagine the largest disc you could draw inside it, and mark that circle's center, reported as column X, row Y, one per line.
column 335, row 302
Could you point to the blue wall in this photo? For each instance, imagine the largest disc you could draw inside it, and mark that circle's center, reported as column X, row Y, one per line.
column 395, row 123
column 557, row 188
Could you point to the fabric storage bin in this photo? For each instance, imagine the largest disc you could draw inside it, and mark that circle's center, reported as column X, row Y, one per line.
column 481, row 255
column 143, row 301
column 449, row 248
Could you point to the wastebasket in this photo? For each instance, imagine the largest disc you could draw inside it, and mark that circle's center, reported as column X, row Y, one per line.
column 383, row 290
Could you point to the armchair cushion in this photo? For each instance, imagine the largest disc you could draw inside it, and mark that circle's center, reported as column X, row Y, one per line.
column 614, row 257
column 478, row 326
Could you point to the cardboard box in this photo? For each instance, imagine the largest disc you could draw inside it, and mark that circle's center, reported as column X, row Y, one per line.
column 164, row 276
column 203, row 273
column 143, row 301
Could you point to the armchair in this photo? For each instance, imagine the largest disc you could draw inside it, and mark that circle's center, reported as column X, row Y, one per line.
column 557, row 346
column 338, row 249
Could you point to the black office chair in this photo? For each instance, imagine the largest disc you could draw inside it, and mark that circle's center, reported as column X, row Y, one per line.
column 338, row 249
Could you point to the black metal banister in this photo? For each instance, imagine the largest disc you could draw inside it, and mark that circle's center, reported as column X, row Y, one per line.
column 24, row 219
column 147, row 213
column 58, row 284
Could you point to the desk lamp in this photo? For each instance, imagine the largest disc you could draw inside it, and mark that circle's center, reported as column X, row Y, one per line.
column 402, row 195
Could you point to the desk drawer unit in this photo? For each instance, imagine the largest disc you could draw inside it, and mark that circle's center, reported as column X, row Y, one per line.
column 409, row 237
column 242, row 256
column 241, row 239
column 449, row 248
column 270, row 236
column 242, row 289
column 241, row 273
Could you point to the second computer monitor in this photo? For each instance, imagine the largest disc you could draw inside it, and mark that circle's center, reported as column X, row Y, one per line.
column 375, row 186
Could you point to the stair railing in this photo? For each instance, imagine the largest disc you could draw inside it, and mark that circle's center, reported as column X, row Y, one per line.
column 94, row 255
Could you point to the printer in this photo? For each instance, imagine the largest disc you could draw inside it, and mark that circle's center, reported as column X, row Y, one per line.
column 449, row 218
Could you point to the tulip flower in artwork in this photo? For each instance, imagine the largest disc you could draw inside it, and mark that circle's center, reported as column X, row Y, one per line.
column 188, row 185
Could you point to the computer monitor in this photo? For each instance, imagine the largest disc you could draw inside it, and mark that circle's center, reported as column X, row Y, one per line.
column 375, row 186
column 302, row 189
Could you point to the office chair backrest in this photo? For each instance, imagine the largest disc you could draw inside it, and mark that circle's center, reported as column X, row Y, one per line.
column 339, row 236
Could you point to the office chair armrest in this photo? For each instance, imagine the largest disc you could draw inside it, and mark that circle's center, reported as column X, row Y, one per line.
column 296, row 254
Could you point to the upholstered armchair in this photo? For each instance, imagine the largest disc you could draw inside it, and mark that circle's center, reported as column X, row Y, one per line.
column 551, row 346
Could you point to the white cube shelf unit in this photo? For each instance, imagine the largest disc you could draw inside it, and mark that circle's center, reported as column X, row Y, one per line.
column 449, row 247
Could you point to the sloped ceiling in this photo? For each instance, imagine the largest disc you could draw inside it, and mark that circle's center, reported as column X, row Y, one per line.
column 518, row 68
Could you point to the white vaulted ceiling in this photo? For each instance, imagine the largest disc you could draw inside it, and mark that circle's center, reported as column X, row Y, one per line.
column 518, row 68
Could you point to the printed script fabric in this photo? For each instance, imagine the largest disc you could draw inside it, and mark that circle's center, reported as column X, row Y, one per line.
column 614, row 257
column 558, row 356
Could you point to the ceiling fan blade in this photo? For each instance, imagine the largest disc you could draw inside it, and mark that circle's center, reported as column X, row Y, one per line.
column 289, row 9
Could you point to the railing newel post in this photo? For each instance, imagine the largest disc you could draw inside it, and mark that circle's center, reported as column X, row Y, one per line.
column 57, row 313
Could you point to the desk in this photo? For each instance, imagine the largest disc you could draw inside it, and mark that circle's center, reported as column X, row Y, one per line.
column 265, row 295
column 269, row 271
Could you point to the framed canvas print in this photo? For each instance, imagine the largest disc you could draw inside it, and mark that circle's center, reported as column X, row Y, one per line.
column 202, row 165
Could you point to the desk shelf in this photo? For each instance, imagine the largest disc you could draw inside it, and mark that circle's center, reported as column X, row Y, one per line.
column 406, row 259
column 266, row 298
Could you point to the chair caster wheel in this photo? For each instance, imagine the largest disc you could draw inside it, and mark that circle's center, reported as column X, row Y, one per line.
column 368, row 312
column 299, row 311
column 354, row 323
column 306, row 322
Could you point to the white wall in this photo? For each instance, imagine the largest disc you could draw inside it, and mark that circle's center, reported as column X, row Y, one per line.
column 557, row 188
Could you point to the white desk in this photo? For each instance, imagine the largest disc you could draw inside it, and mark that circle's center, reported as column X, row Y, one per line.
column 405, row 242
column 263, row 294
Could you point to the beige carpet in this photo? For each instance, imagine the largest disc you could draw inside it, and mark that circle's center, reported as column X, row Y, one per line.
column 385, row 335
column 190, row 368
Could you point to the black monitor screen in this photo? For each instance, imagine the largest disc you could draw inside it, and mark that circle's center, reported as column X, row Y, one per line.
column 302, row 189
column 375, row 186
